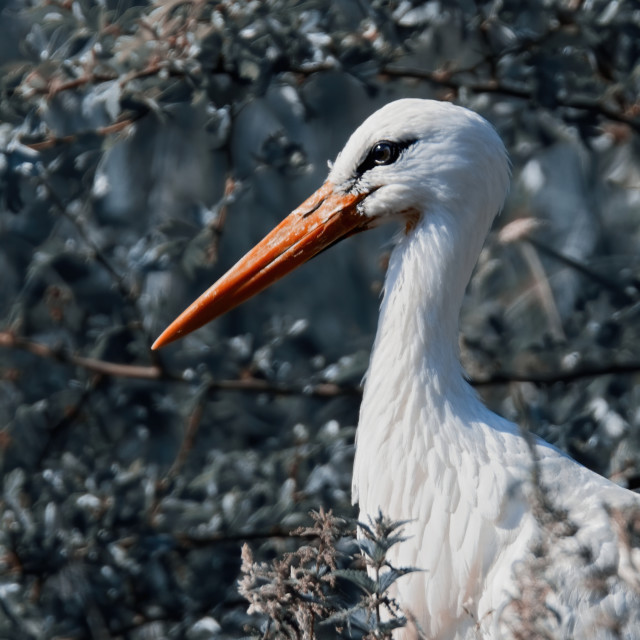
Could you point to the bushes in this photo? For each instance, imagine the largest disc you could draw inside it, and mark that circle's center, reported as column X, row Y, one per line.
column 143, row 147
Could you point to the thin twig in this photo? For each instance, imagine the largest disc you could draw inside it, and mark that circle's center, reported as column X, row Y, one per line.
column 580, row 268
column 553, row 377
column 79, row 225
column 52, row 140
column 448, row 79
column 57, row 85
column 543, row 290
column 114, row 369
column 188, row 542
column 316, row 390
column 191, row 430
column 71, row 414
column 217, row 225
column 127, row 292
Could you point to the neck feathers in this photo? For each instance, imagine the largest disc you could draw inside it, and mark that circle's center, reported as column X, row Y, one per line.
column 415, row 378
column 424, row 288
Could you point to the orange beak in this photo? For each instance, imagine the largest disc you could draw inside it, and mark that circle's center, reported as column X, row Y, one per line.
column 316, row 224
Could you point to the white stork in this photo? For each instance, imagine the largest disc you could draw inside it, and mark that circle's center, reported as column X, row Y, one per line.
column 428, row 451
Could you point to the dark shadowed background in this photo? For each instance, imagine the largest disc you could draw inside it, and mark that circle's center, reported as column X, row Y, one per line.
column 144, row 147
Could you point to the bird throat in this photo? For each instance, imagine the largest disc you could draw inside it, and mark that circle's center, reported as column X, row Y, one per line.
column 414, row 376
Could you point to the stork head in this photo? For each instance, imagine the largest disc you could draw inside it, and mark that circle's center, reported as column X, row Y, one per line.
column 408, row 159
column 417, row 155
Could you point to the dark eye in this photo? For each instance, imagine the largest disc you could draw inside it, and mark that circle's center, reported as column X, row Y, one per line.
column 383, row 152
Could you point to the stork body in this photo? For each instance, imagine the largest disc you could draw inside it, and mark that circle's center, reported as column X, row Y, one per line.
column 428, row 451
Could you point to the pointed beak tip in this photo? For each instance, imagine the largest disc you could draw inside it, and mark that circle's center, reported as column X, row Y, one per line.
column 158, row 344
column 164, row 339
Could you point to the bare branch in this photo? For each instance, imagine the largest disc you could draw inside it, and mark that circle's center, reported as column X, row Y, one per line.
column 582, row 268
column 52, row 140
column 316, row 390
column 102, row 367
column 191, row 430
column 553, row 377
column 628, row 115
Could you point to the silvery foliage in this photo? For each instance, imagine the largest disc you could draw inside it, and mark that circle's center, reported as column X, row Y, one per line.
column 143, row 147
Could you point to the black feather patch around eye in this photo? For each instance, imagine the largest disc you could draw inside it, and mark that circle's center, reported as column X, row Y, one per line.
column 383, row 153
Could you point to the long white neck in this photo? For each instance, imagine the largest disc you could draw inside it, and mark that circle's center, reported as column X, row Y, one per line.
column 415, row 396
column 428, row 451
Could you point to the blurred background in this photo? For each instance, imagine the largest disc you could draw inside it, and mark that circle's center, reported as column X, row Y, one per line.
column 144, row 147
